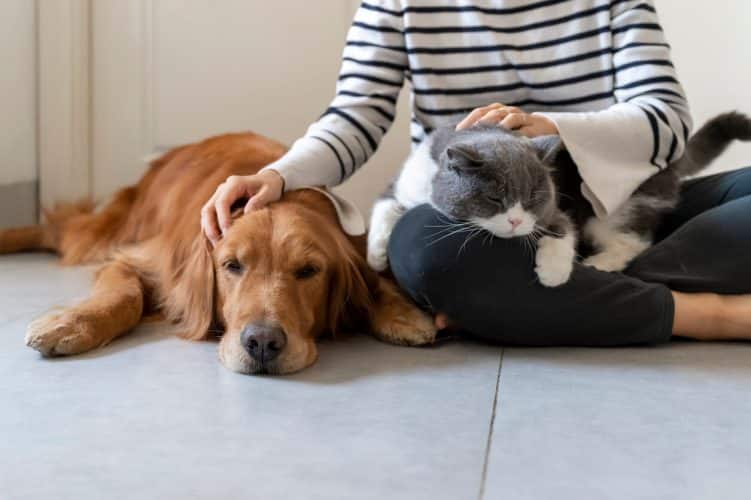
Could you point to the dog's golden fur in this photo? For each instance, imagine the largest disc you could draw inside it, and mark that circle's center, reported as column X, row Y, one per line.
column 155, row 258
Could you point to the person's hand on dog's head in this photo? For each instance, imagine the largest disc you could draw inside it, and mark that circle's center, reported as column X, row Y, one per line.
column 259, row 189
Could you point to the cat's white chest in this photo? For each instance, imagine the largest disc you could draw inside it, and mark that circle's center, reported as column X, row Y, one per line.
column 414, row 185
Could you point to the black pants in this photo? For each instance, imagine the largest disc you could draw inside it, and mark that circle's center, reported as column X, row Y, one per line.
column 488, row 286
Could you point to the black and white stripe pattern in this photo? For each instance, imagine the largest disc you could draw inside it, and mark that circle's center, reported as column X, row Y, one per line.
column 596, row 67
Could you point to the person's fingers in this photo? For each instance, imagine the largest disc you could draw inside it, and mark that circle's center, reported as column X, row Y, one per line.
column 229, row 193
column 258, row 200
column 209, row 223
column 494, row 116
column 491, row 117
column 514, row 121
column 527, row 131
column 531, row 131
column 476, row 114
column 472, row 117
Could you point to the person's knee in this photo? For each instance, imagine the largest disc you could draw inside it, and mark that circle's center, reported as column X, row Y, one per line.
column 418, row 266
column 442, row 266
column 738, row 184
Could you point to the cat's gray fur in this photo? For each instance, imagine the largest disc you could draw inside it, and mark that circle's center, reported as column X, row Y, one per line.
column 489, row 176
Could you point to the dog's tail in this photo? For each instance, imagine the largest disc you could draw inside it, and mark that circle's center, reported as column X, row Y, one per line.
column 43, row 236
column 712, row 140
column 23, row 239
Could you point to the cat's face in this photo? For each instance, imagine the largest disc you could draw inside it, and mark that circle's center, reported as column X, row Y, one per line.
column 499, row 182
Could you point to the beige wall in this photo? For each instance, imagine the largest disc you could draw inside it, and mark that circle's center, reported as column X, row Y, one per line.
column 712, row 52
column 17, row 92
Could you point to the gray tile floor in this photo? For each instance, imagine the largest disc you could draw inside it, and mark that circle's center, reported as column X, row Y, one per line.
column 151, row 416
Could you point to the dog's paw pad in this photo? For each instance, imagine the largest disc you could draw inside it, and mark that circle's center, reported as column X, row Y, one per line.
column 412, row 327
column 54, row 335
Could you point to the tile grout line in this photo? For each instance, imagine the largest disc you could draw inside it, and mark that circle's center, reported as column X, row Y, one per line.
column 484, row 476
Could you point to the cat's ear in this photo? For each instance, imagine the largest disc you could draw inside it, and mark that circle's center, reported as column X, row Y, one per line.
column 548, row 147
column 462, row 158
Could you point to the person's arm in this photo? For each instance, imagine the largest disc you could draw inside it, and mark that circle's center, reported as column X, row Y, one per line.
column 349, row 131
column 618, row 148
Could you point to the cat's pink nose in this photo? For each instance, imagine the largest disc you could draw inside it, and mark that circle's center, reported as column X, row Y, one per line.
column 515, row 222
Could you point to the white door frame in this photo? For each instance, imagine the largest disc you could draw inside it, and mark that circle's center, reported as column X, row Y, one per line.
column 64, row 98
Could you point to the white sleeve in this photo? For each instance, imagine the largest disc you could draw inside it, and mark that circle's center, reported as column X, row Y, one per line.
column 617, row 149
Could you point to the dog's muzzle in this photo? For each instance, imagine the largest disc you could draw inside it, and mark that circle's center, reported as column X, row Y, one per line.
column 263, row 342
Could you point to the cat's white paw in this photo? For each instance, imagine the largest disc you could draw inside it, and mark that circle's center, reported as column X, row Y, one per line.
column 554, row 260
column 378, row 257
column 385, row 215
column 608, row 261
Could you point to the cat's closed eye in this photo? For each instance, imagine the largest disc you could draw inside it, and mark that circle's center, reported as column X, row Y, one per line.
column 495, row 199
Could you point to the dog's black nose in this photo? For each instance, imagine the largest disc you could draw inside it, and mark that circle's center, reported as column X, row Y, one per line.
column 263, row 342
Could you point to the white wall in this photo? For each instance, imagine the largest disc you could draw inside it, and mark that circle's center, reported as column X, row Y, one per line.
column 17, row 92
column 711, row 43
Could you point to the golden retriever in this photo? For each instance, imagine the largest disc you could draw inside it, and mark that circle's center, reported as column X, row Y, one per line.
column 281, row 277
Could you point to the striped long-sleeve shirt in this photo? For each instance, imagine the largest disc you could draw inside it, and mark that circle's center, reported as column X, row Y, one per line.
column 600, row 69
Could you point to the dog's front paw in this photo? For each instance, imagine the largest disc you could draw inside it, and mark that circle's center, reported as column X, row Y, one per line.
column 409, row 327
column 397, row 320
column 58, row 334
column 607, row 261
column 554, row 261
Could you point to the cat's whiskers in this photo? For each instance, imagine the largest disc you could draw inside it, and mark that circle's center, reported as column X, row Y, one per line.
column 448, row 226
column 444, row 236
column 471, row 236
column 488, row 237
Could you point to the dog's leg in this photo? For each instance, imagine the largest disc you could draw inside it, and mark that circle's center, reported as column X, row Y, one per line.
column 115, row 306
column 24, row 239
column 396, row 320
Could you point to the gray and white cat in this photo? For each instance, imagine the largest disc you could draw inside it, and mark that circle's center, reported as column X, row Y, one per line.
column 513, row 186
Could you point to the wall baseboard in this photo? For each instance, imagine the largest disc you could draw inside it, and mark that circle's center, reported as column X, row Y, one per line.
column 18, row 204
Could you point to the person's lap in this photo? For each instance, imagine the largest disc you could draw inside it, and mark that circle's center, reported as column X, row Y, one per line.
column 702, row 244
column 488, row 285
column 704, row 193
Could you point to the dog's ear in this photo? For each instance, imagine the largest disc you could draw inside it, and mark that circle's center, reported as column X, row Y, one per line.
column 353, row 288
column 190, row 299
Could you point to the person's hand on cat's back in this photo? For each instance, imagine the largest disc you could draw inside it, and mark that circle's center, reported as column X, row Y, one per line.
column 510, row 117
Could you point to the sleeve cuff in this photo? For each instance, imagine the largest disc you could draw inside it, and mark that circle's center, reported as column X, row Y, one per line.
column 606, row 150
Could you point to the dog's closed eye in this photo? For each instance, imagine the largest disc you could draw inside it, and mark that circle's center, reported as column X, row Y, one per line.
column 306, row 271
column 233, row 266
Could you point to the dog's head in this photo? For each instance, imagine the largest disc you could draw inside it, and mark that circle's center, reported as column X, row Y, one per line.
column 281, row 277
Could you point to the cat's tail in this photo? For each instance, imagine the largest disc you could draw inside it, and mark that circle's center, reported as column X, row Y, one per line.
column 711, row 140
